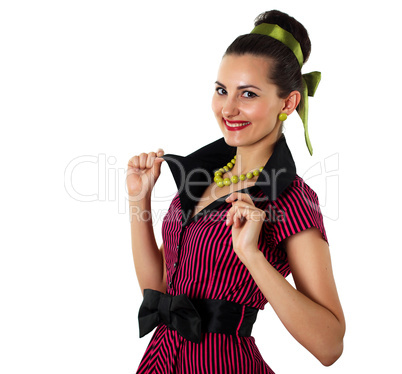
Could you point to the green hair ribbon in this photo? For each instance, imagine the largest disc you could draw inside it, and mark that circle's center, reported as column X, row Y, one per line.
column 310, row 80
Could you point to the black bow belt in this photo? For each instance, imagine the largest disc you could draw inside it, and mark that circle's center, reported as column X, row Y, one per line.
column 190, row 317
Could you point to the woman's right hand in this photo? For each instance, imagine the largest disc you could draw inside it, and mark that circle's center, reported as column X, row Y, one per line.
column 142, row 173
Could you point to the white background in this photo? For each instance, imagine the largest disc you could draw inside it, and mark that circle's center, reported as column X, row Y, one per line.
column 85, row 85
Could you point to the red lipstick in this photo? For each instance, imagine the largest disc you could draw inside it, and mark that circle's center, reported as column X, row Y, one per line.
column 235, row 125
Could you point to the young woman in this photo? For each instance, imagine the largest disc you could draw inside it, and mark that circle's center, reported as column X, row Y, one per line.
column 233, row 234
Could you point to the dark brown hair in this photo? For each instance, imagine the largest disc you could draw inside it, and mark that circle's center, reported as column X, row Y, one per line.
column 285, row 72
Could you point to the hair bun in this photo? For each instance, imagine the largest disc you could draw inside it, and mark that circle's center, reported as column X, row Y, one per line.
column 289, row 24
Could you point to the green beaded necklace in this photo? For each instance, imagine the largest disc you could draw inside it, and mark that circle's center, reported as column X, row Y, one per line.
column 234, row 178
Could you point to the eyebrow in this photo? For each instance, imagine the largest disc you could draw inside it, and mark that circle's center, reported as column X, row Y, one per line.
column 240, row 87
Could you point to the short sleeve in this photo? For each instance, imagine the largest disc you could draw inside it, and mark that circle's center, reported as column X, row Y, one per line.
column 297, row 209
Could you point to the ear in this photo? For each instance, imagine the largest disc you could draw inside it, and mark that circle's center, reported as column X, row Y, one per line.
column 291, row 102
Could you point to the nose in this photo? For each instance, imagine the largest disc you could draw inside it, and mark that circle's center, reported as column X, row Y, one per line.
column 230, row 108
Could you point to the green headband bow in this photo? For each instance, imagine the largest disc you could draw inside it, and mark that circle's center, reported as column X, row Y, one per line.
column 310, row 80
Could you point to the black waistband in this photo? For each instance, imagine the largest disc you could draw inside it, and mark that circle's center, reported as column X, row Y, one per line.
column 225, row 317
column 190, row 317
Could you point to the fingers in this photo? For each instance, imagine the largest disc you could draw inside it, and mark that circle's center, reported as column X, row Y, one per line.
column 143, row 159
column 240, row 196
column 150, row 160
column 133, row 163
column 157, row 162
column 159, row 154
column 241, row 212
column 146, row 160
column 234, row 215
column 238, row 217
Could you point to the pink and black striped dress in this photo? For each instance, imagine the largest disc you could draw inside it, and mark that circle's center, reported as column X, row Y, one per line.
column 201, row 263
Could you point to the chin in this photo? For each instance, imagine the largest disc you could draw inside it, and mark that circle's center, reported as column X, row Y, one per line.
column 230, row 140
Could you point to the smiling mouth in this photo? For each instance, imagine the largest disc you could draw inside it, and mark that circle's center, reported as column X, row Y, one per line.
column 236, row 126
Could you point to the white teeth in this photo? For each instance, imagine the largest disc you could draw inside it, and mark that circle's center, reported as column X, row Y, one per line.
column 236, row 124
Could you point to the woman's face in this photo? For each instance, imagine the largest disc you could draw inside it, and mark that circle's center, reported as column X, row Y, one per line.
column 245, row 103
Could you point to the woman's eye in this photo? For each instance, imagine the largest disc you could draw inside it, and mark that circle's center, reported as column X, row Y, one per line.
column 249, row 94
column 246, row 94
column 220, row 91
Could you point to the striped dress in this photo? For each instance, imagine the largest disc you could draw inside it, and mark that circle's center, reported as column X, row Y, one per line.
column 201, row 263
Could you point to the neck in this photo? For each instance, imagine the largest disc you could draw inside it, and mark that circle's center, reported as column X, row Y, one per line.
column 253, row 156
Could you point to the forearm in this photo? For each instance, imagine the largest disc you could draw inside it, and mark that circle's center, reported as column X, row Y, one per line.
column 311, row 324
column 148, row 259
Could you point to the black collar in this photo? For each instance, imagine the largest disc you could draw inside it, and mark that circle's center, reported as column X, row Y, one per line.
column 193, row 173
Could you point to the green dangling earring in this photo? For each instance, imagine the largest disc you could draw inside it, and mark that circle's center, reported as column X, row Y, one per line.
column 283, row 117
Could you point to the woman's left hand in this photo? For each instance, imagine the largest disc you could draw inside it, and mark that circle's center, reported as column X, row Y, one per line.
column 246, row 221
